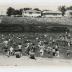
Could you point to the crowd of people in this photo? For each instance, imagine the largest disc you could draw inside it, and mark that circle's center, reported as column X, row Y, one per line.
column 36, row 44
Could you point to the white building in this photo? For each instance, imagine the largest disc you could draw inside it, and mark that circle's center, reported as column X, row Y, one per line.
column 68, row 13
column 31, row 13
column 48, row 13
column 2, row 13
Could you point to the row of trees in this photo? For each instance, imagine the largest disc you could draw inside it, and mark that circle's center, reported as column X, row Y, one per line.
column 12, row 11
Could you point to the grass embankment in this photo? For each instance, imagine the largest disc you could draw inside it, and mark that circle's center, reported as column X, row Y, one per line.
column 38, row 24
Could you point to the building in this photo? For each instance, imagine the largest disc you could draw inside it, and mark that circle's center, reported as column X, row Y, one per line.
column 49, row 13
column 31, row 13
column 68, row 13
column 3, row 13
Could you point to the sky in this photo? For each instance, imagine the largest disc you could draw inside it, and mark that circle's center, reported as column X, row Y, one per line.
column 42, row 4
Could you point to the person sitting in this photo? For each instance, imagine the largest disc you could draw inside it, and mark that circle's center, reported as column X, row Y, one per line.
column 32, row 54
column 18, row 54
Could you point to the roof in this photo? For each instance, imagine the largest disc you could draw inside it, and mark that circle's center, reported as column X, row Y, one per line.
column 33, row 11
column 69, row 11
column 49, row 11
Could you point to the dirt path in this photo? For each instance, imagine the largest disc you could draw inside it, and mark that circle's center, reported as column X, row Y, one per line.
column 25, row 61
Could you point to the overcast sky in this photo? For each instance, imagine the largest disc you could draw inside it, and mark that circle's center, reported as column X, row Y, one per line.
column 42, row 4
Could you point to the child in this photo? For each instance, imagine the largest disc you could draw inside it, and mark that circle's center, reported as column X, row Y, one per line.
column 18, row 54
column 49, row 51
column 20, row 47
column 5, row 45
column 68, row 44
column 53, row 51
column 27, row 48
column 5, row 42
column 32, row 54
column 11, row 50
column 68, row 52
column 41, row 50
column 56, row 50
column 8, row 53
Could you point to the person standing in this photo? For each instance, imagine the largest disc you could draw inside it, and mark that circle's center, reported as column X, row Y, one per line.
column 20, row 48
column 53, row 52
column 27, row 48
column 68, row 52
column 68, row 44
column 41, row 47
column 49, row 51
column 5, row 46
column 11, row 50
column 57, row 50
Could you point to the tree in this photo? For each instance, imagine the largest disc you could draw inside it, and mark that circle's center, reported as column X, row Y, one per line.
column 69, row 8
column 27, row 8
column 37, row 9
column 16, row 12
column 62, row 9
column 10, row 11
column 20, row 11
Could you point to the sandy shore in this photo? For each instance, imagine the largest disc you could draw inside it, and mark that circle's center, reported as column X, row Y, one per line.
column 26, row 61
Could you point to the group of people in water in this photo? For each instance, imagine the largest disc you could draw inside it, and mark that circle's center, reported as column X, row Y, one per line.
column 39, row 48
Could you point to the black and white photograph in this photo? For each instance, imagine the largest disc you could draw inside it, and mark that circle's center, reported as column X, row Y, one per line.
column 35, row 32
